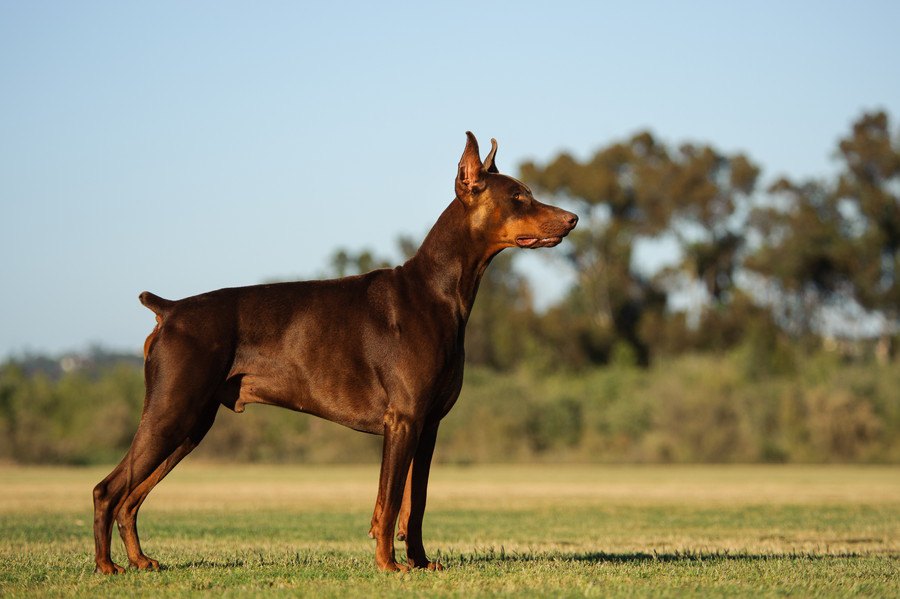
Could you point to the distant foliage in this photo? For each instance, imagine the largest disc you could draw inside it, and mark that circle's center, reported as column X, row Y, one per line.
column 691, row 409
column 80, row 417
column 765, row 401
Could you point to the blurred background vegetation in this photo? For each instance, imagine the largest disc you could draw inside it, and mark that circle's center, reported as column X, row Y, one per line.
column 767, row 333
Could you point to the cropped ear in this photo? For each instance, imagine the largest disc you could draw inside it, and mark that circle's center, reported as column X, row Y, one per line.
column 470, row 176
column 489, row 164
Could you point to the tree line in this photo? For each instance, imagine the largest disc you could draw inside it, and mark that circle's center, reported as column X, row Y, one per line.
column 757, row 403
column 768, row 336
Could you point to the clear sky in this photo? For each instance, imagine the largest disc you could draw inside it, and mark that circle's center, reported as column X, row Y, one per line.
column 185, row 146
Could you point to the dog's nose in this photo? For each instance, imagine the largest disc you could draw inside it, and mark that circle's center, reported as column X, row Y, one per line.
column 571, row 220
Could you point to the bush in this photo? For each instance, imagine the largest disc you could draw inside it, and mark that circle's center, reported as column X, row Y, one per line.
column 762, row 402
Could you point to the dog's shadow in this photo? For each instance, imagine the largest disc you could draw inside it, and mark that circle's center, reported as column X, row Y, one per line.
column 599, row 557
column 491, row 556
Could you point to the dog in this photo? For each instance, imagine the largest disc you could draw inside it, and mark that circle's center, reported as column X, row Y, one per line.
column 382, row 353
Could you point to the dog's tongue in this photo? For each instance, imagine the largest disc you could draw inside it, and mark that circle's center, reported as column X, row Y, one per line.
column 527, row 241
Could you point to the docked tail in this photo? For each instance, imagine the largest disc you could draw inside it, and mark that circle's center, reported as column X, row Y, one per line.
column 159, row 305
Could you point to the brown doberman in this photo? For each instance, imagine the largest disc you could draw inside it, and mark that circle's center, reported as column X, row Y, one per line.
column 380, row 352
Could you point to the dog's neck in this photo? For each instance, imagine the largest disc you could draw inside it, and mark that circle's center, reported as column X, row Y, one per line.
column 452, row 260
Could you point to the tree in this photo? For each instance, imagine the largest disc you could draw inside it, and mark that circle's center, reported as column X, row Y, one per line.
column 619, row 199
column 344, row 262
column 836, row 246
column 869, row 192
column 640, row 189
column 804, row 257
column 709, row 195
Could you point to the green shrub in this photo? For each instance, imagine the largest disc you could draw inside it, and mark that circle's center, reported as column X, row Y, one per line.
column 762, row 402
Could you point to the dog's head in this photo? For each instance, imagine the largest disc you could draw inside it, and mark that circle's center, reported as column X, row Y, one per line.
column 503, row 209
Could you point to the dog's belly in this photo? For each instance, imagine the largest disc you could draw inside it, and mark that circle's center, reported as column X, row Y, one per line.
column 338, row 398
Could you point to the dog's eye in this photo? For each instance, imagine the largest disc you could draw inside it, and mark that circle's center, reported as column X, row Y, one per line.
column 517, row 196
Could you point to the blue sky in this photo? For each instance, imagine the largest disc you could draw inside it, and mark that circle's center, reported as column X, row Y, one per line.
column 182, row 147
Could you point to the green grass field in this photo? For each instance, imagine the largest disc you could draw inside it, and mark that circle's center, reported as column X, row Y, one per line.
column 499, row 530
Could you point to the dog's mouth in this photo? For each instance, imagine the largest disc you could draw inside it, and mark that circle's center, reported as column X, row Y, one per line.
column 526, row 241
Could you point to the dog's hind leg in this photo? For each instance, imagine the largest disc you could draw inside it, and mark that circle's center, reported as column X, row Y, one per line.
column 158, row 436
column 180, row 382
column 103, row 517
column 126, row 517
column 148, row 451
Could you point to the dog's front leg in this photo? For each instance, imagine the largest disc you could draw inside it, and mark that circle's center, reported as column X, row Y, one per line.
column 401, row 435
column 403, row 518
column 413, row 511
column 404, row 510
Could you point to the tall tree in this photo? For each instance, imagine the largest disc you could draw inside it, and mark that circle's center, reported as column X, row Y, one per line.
column 640, row 189
column 709, row 195
column 837, row 245
column 869, row 192
column 619, row 198
column 804, row 255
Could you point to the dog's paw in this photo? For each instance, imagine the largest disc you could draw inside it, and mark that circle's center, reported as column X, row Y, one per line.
column 425, row 564
column 109, row 568
column 145, row 563
column 393, row 566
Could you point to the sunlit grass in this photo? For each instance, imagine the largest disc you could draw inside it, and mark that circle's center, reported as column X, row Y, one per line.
column 508, row 530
